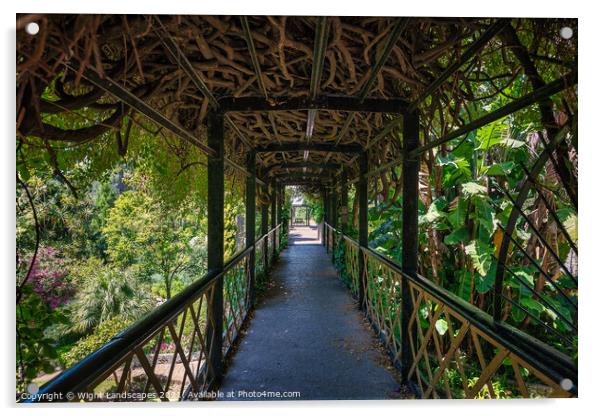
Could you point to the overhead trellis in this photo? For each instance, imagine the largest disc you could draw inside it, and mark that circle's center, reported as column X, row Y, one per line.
column 321, row 102
column 175, row 69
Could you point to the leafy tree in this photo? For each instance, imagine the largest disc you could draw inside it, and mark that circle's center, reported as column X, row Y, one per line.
column 315, row 207
column 142, row 231
column 105, row 199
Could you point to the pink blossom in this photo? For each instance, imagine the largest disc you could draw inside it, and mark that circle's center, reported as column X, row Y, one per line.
column 48, row 278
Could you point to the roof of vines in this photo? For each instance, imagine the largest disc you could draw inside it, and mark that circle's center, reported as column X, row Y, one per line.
column 274, row 57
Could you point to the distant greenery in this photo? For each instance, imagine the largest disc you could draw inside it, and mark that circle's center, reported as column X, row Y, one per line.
column 316, row 208
column 113, row 237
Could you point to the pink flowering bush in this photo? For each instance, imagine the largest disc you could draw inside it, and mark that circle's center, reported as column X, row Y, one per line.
column 49, row 278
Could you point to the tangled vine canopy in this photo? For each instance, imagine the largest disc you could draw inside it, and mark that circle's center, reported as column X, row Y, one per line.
column 273, row 57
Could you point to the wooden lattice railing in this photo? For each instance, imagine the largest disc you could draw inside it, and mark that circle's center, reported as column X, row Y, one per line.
column 457, row 350
column 167, row 355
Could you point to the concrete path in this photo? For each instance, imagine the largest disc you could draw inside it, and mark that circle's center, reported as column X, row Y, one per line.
column 307, row 336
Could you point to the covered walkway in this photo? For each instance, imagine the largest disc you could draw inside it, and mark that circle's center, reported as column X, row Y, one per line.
column 324, row 103
column 308, row 335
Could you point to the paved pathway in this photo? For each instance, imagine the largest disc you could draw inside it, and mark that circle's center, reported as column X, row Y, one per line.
column 307, row 336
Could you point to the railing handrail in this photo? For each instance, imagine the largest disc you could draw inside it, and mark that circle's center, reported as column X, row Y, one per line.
column 267, row 234
column 105, row 358
column 541, row 356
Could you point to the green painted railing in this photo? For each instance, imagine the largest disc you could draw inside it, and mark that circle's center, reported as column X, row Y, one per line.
column 458, row 351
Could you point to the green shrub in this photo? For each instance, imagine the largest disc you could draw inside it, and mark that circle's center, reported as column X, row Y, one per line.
column 88, row 344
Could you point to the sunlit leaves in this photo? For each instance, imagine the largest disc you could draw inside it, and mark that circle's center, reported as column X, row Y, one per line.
column 480, row 254
column 88, row 344
column 531, row 304
column 491, row 135
column 473, row 188
column 512, row 143
column 441, row 326
column 570, row 224
column 435, row 212
column 106, row 293
column 522, row 278
column 457, row 212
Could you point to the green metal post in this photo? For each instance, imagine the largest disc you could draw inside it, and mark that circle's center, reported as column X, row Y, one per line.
column 264, row 231
column 335, row 217
column 250, row 205
column 273, row 218
column 326, row 218
column 279, row 211
column 409, row 243
column 215, row 243
column 323, row 192
column 362, row 194
column 344, row 201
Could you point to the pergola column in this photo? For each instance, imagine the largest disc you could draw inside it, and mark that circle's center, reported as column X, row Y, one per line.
column 334, row 209
column 279, row 204
column 264, row 231
column 409, row 239
column 335, row 216
column 273, row 216
column 215, row 242
column 323, row 229
column 326, row 217
column 250, row 206
column 344, row 202
column 362, row 195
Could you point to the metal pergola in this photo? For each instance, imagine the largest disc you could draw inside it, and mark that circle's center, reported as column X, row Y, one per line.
column 342, row 162
column 407, row 116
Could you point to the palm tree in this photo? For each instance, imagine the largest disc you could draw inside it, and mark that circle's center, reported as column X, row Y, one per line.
column 108, row 294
